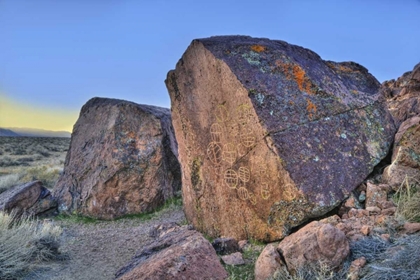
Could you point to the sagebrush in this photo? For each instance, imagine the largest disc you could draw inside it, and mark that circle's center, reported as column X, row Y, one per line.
column 24, row 244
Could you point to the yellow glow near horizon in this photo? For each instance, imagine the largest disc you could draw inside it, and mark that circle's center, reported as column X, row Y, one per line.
column 15, row 114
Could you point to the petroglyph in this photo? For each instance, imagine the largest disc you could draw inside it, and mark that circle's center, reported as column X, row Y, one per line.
column 244, row 174
column 231, row 178
column 214, row 152
column 243, row 193
column 222, row 114
column 216, row 132
column 229, row 153
column 265, row 191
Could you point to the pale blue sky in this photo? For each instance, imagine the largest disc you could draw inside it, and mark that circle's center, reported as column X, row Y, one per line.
column 60, row 53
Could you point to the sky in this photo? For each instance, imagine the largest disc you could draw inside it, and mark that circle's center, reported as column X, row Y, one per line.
column 56, row 55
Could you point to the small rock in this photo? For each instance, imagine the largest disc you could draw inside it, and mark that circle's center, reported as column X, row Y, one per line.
column 356, row 267
column 386, row 237
column 233, row 259
column 386, row 204
column 365, row 230
column 225, row 245
column 373, row 209
column 375, row 195
column 362, row 196
column 242, row 244
column 389, row 211
column 410, row 228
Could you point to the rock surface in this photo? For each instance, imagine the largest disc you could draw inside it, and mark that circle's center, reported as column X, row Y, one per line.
column 30, row 199
column 225, row 245
column 316, row 242
column 122, row 160
column 270, row 134
column 233, row 259
column 179, row 253
column 403, row 95
column 268, row 263
column 406, row 154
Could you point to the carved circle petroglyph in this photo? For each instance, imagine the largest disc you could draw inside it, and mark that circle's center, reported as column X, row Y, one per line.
column 244, row 114
column 247, row 138
column 265, row 191
column 214, row 152
column 216, row 132
column 288, row 192
column 252, row 198
column 229, row 153
column 231, row 178
column 244, row 174
column 222, row 114
column 243, row 193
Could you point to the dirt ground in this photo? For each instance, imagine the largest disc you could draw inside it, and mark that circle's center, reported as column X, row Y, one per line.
column 97, row 250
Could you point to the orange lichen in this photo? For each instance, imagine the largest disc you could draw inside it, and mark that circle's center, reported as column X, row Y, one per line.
column 311, row 108
column 296, row 73
column 258, row 48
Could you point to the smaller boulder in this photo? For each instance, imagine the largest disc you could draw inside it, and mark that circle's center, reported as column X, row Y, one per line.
column 225, row 245
column 233, row 259
column 406, row 155
column 268, row 264
column 314, row 243
column 31, row 199
column 178, row 253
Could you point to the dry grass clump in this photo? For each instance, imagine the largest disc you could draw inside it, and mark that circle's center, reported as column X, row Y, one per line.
column 24, row 244
column 47, row 175
column 407, row 199
column 24, row 159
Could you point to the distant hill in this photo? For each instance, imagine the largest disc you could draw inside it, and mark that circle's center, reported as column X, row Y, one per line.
column 8, row 132
column 33, row 132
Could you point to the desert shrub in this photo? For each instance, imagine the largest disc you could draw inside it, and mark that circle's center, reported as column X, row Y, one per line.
column 407, row 199
column 8, row 181
column 315, row 271
column 8, row 161
column 48, row 176
column 24, row 244
column 403, row 263
column 370, row 247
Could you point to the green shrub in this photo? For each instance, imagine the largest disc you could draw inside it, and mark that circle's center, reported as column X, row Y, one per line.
column 25, row 244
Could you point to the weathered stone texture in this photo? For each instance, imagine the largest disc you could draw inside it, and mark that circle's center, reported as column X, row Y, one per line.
column 27, row 199
column 270, row 134
column 406, row 155
column 313, row 244
column 178, row 253
column 403, row 95
column 122, row 160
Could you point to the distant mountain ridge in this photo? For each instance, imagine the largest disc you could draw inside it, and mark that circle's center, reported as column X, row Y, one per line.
column 32, row 132
column 8, row 132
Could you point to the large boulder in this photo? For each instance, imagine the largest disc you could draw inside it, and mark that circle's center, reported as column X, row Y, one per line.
column 403, row 95
column 177, row 253
column 406, row 155
column 31, row 199
column 270, row 135
column 122, row 160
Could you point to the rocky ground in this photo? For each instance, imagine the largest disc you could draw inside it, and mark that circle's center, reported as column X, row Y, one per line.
column 97, row 249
